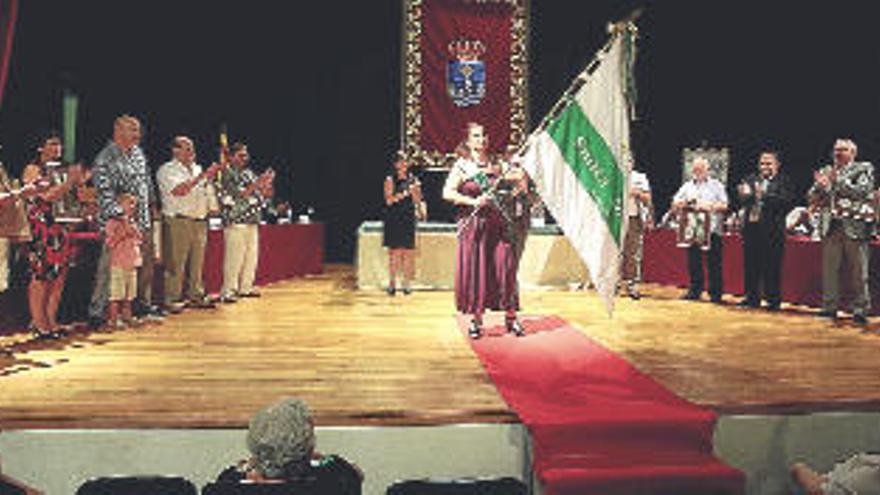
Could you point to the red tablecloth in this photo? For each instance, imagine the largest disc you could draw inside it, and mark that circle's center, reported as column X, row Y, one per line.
column 664, row 263
column 285, row 251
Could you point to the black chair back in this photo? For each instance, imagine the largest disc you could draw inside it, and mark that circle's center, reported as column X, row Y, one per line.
column 7, row 488
column 287, row 488
column 138, row 485
column 464, row 486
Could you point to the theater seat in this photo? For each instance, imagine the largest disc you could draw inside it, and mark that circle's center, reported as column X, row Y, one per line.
column 138, row 485
column 8, row 488
column 289, row 488
column 464, row 486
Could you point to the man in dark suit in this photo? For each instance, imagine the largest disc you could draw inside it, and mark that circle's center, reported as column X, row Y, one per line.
column 766, row 197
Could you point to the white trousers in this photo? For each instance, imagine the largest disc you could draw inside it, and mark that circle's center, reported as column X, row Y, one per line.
column 241, row 244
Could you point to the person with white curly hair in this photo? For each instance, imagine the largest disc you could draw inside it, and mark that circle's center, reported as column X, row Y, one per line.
column 281, row 441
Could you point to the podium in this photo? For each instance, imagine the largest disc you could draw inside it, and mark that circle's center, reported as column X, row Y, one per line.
column 549, row 260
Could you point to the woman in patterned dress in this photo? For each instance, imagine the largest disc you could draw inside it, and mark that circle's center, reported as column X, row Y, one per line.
column 485, row 263
column 49, row 250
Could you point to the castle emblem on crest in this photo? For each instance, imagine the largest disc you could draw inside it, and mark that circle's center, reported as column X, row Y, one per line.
column 466, row 73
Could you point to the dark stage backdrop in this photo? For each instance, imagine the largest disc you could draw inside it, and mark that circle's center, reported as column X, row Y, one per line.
column 314, row 87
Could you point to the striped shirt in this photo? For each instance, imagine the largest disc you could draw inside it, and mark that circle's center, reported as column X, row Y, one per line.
column 116, row 171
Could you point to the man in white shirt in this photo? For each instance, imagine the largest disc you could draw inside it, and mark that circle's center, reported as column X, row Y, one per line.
column 858, row 475
column 639, row 214
column 187, row 198
column 704, row 194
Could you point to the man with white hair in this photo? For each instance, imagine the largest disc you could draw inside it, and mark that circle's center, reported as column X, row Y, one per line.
column 844, row 194
column 703, row 193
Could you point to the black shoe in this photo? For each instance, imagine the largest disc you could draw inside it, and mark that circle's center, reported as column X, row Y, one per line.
column 715, row 298
column 632, row 292
column 42, row 334
column 860, row 319
column 407, row 291
column 95, row 323
column 174, row 308
column 827, row 313
column 475, row 331
column 690, row 296
column 203, row 303
column 390, row 290
column 774, row 306
column 749, row 303
column 516, row 328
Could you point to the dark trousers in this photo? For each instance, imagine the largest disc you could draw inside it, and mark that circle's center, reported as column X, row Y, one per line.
column 713, row 266
column 763, row 251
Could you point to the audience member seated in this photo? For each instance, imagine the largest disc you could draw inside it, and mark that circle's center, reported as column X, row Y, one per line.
column 137, row 485
column 858, row 475
column 281, row 441
column 499, row 486
column 280, row 213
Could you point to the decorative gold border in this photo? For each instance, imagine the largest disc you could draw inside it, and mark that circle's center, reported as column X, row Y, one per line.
column 412, row 82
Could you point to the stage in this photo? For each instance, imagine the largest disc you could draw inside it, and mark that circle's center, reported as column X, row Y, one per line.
column 363, row 359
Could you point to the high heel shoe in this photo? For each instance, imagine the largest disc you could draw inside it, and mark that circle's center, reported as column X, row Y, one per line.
column 41, row 334
column 475, row 331
column 516, row 328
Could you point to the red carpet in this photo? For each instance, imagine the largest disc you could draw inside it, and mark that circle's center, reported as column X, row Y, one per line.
column 598, row 425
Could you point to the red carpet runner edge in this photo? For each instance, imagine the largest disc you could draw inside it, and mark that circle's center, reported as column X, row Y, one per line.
column 599, row 426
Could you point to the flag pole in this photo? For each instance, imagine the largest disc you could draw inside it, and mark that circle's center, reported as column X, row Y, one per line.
column 615, row 29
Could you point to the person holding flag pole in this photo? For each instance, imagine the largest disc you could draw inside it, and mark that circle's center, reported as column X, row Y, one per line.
column 486, row 259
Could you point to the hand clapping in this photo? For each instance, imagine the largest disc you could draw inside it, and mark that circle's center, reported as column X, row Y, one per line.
column 822, row 179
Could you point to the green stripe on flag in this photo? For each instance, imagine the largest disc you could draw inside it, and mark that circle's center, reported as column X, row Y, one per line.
column 589, row 157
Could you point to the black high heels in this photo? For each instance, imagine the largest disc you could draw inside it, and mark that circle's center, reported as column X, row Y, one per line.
column 475, row 331
column 42, row 334
column 515, row 327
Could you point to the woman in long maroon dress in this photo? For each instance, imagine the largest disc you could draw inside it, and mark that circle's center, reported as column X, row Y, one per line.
column 485, row 263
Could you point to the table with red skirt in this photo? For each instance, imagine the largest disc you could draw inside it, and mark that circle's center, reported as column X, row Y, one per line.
column 665, row 263
column 286, row 251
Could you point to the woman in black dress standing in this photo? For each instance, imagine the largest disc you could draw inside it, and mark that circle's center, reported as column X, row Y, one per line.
column 402, row 193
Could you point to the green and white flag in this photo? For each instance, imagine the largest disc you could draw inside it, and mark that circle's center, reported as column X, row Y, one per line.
column 580, row 161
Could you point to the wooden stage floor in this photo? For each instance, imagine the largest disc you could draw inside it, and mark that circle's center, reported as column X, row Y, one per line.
column 361, row 357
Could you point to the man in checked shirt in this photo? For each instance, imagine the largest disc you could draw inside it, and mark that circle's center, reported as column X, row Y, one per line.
column 242, row 196
column 121, row 167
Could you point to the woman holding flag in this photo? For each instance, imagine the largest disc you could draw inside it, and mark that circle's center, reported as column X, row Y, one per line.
column 485, row 262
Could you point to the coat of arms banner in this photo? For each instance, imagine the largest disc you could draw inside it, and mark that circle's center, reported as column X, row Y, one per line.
column 464, row 61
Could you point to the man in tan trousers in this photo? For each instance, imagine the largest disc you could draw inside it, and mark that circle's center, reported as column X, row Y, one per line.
column 187, row 199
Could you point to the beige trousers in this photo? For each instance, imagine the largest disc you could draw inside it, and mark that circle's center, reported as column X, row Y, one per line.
column 839, row 252
column 241, row 242
column 631, row 269
column 183, row 251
